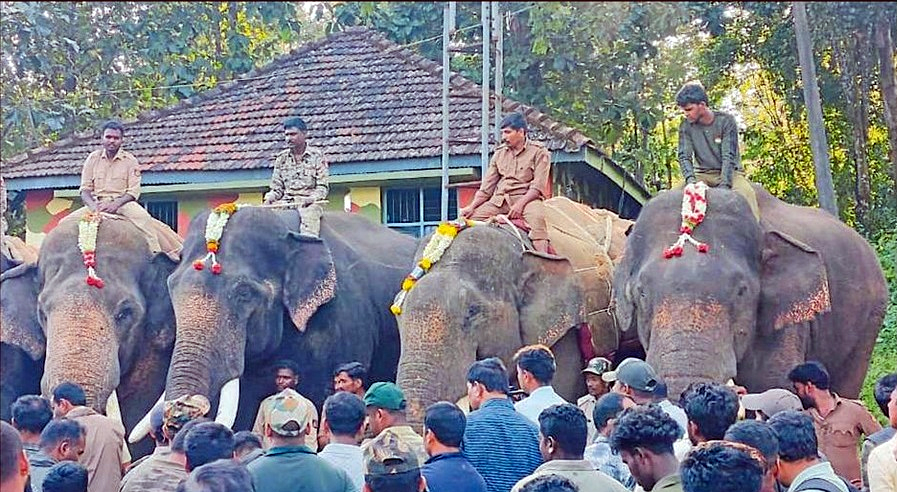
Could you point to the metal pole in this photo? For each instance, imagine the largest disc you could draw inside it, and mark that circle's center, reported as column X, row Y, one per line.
column 448, row 12
column 498, row 32
column 484, row 125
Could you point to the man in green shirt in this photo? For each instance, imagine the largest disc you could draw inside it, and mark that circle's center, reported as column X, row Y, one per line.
column 708, row 145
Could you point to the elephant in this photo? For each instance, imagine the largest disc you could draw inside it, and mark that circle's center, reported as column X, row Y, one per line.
column 21, row 350
column 115, row 340
column 278, row 294
column 799, row 285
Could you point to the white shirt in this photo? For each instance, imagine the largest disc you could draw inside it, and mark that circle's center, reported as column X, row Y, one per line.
column 882, row 467
column 346, row 457
column 677, row 414
column 540, row 399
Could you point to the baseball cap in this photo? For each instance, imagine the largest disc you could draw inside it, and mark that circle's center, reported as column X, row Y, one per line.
column 635, row 373
column 287, row 413
column 772, row 401
column 385, row 395
column 184, row 409
column 388, row 454
column 597, row 366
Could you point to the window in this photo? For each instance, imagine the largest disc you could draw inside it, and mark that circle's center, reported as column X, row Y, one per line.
column 416, row 211
column 166, row 212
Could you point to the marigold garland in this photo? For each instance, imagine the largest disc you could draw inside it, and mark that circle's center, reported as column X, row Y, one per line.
column 88, row 227
column 214, row 229
column 433, row 251
column 694, row 209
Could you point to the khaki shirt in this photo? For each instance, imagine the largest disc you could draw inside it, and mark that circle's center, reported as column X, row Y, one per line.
column 511, row 174
column 580, row 472
column 587, row 405
column 840, row 432
column 102, row 451
column 302, row 182
column 311, row 439
column 111, row 178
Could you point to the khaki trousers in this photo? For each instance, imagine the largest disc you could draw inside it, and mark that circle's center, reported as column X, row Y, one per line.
column 533, row 214
column 159, row 236
column 740, row 185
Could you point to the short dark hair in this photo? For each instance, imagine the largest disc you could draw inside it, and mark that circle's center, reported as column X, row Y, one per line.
column 810, row 372
column 179, row 440
column 691, row 93
column 10, row 451
column 61, row 430
column 114, row 125
column 224, row 475
column 514, row 121
column 447, row 422
column 355, row 370
column 713, row 408
column 549, row 483
column 31, row 413
column 207, row 442
column 646, row 426
column 295, row 122
column 345, row 413
column 246, row 440
column 66, row 476
column 538, row 360
column 796, row 435
column 71, row 392
column 758, row 435
column 285, row 364
column 396, row 482
column 717, row 465
column 491, row 373
column 609, row 406
column 567, row 425
column 883, row 389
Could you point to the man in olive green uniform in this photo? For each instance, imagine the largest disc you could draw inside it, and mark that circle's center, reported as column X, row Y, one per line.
column 710, row 139
column 515, row 182
column 300, row 177
column 385, row 406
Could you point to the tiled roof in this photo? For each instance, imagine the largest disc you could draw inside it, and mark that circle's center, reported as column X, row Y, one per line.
column 363, row 97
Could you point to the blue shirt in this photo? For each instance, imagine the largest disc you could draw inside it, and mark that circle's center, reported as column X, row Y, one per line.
column 501, row 444
column 451, row 472
column 605, row 460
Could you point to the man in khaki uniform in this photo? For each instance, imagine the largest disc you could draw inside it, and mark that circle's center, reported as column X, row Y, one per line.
column 515, row 182
column 110, row 183
column 301, row 177
column 596, row 387
column 286, row 376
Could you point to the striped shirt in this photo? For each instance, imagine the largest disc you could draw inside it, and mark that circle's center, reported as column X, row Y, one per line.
column 501, row 444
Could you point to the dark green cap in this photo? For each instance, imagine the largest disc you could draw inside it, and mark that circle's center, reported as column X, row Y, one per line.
column 385, row 395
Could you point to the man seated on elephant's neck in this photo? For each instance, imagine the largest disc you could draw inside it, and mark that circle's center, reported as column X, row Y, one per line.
column 535, row 370
column 286, row 376
column 385, row 406
column 515, row 182
column 300, row 177
column 710, row 139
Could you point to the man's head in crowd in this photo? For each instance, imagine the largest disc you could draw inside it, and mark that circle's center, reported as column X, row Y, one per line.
column 178, row 413
column 711, row 408
column 771, row 402
column 535, row 367
column 883, row 388
column 157, row 421
column 179, row 441
column 344, row 414
column 713, row 466
column 810, row 381
column 66, row 476
column 63, row 440
column 207, row 442
column 289, row 420
column 644, row 437
column 563, row 431
column 286, row 375
column 222, row 475
column 444, row 425
column 892, row 408
column 797, row 444
column 634, row 378
column 13, row 463
column 760, row 436
column 246, row 442
column 67, row 396
column 607, row 409
column 487, row 379
column 385, row 406
column 350, row 377
column 592, row 372
column 30, row 414
column 549, row 483
column 391, row 465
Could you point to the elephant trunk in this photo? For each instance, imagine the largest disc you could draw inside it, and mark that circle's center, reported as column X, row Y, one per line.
column 82, row 348
column 691, row 341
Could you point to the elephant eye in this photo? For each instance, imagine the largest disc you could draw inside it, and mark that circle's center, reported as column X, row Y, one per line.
column 243, row 292
column 124, row 314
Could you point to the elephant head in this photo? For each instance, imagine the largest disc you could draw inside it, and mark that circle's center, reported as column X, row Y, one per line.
column 485, row 297
column 699, row 314
column 22, row 342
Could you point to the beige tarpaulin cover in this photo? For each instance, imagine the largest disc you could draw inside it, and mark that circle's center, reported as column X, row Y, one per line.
column 593, row 240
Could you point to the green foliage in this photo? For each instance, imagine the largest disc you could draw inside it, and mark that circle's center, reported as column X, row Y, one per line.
column 884, row 357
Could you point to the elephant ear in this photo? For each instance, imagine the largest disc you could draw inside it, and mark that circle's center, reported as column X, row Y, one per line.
column 794, row 283
column 310, row 279
column 622, row 302
column 552, row 301
column 19, row 323
column 159, row 310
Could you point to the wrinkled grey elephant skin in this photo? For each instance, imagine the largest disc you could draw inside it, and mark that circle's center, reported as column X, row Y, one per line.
column 20, row 372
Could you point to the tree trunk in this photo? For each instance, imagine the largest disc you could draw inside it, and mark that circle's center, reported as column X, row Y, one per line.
column 884, row 45
column 851, row 56
column 818, row 141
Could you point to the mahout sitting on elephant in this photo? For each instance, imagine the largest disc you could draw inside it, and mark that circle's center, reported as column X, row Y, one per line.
column 761, row 297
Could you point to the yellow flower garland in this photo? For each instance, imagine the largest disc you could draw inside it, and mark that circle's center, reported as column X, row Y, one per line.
column 218, row 218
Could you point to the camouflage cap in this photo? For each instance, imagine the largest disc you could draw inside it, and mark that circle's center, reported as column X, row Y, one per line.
column 184, row 409
column 597, row 366
column 288, row 415
column 388, row 454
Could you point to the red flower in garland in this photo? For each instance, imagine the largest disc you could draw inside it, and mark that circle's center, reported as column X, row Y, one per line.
column 216, row 268
column 198, row 265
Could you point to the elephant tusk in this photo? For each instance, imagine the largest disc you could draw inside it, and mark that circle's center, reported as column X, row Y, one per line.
column 228, row 401
column 143, row 427
column 113, row 410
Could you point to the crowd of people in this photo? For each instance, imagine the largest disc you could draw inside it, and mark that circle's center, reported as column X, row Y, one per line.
column 624, row 435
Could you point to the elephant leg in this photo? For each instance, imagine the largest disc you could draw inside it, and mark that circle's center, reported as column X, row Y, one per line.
column 568, row 380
